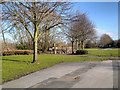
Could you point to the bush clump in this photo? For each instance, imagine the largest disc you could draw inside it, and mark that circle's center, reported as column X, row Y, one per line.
column 6, row 53
column 17, row 52
column 81, row 52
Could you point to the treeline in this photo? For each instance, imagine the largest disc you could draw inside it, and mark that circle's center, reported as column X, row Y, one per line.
column 105, row 41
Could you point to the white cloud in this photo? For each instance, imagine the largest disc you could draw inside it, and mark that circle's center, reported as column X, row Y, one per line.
column 113, row 35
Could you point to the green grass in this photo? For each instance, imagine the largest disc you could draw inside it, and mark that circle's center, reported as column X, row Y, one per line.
column 16, row 66
column 103, row 52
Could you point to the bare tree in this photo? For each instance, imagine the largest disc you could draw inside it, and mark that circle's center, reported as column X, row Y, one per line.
column 53, row 22
column 84, row 29
column 2, row 33
column 30, row 16
column 80, row 29
column 106, row 41
column 69, row 30
column 71, row 34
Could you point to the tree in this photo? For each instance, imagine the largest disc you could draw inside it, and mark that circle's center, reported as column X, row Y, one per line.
column 4, row 40
column 70, row 33
column 3, row 32
column 84, row 29
column 91, row 44
column 106, row 41
column 80, row 29
column 72, row 36
column 51, row 22
column 117, row 43
column 30, row 17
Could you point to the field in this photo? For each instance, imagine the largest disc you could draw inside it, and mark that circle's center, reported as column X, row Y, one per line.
column 15, row 66
column 104, row 52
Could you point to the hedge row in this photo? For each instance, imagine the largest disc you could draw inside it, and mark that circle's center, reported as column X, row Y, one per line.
column 17, row 52
column 81, row 52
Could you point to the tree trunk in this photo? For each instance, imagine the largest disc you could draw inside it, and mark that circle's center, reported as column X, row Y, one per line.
column 46, row 41
column 35, row 40
column 82, row 44
column 54, row 48
column 5, row 44
column 35, row 55
column 79, row 45
column 76, row 45
column 72, row 47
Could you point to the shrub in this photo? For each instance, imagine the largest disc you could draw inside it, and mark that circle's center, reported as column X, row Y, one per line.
column 81, row 52
column 26, row 53
column 17, row 52
column 23, row 52
column 6, row 53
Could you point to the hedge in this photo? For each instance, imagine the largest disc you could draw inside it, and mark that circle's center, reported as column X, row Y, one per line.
column 17, row 52
column 81, row 52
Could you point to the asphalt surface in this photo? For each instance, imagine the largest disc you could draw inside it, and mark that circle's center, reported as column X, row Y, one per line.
column 72, row 75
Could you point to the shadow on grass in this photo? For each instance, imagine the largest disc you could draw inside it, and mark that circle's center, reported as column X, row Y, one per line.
column 16, row 61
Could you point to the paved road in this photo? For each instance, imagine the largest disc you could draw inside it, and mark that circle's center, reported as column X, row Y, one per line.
column 71, row 75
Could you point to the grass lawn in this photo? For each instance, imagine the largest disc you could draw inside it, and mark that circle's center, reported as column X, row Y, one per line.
column 16, row 66
column 104, row 52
